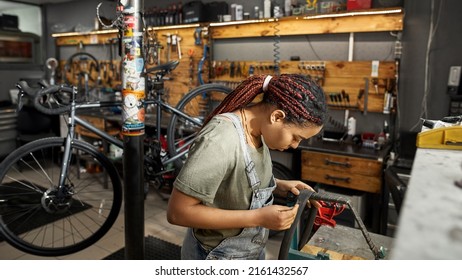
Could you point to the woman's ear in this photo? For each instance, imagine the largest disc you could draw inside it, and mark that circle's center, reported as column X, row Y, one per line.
column 277, row 116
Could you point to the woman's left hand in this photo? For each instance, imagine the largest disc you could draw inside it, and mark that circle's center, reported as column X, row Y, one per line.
column 294, row 186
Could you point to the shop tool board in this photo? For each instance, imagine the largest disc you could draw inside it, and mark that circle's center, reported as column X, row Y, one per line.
column 365, row 89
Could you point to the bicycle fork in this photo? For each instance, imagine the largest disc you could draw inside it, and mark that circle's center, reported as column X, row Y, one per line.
column 58, row 198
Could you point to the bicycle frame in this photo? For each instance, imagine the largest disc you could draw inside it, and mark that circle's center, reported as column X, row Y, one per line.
column 160, row 106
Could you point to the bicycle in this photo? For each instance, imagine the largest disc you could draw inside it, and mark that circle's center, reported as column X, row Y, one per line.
column 50, row 205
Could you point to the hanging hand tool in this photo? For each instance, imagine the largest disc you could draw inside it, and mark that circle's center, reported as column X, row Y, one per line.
column 366, row 94
column 174, row 42
column 311, row 4
column 151, row 46
column 103, row 67
column 347, row 98
column 245, row 69
column 198, row 36
column 239, row 69
column 375, row 82
column 226, row 70
column 200, row 67
column 191, row 67
column 213, row 70
column 178, row 38
column 339, row 99
column 232, row 68
column 169, row 45
column 251, row 70
column 219, row 69
column 111, row 42
column 159, row 48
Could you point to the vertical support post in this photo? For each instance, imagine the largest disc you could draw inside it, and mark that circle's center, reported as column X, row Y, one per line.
column 351, row 46
column 133, row 127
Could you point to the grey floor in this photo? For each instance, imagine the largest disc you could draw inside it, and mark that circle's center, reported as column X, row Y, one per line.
column 155, row 225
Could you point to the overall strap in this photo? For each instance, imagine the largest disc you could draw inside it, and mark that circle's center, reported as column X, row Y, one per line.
column 252, row 175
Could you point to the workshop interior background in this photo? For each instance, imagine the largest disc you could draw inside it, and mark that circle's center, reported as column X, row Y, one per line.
column 445, row 51
column 429, row 44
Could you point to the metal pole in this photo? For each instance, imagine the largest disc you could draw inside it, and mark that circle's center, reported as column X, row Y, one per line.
column 133, row 93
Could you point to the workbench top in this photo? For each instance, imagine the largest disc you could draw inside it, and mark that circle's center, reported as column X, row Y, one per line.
column 343, row 148
column 430, row 223
column 348, row 242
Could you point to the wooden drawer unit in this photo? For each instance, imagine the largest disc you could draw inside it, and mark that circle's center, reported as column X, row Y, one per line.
column 342, row 171
column 98, row 122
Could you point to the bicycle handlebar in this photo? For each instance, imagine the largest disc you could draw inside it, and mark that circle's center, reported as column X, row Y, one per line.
column 39, row 97
column 25, row 88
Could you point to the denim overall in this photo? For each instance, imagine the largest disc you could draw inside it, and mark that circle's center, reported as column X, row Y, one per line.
column 250, row 243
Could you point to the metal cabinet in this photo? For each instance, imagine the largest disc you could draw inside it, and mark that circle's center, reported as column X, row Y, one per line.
column 8, row 130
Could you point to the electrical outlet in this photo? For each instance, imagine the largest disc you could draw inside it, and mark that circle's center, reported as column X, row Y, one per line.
column 454, row 76
column 375, row 68
column 454, row 86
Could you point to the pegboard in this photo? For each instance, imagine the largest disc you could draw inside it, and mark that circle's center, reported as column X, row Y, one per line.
column 107, row 77
column 355, row 80
column 189, row 50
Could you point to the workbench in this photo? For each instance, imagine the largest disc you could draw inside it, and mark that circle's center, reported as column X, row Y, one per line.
column 430, row 223
column 345, row 243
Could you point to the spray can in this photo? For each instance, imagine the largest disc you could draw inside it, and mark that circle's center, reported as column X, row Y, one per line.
column 233, row 12
column 351, row 126
column 256, row 12
column 267, row 9
column 287, row 8
column 387, row 99
column 239, row 12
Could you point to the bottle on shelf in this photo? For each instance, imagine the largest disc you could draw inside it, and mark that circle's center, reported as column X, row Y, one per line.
column 267, row 8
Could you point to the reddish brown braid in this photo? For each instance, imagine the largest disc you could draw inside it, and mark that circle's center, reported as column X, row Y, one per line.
column 298, row 96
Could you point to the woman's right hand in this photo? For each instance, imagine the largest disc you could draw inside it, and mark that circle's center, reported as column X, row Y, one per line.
column 277, row 217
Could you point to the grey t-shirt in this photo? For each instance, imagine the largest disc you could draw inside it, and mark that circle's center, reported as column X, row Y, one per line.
column 215, row 173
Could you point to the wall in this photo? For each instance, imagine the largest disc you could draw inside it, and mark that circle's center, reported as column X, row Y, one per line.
column 444, row 51
column 30, row 20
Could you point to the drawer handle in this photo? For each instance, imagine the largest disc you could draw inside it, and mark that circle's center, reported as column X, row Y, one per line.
column 333, row 178
column 344, row 164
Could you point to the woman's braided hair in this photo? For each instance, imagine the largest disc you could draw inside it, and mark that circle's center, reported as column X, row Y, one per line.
column 301, row 98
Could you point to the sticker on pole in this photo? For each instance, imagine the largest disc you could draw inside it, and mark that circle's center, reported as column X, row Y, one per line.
column 133, row 112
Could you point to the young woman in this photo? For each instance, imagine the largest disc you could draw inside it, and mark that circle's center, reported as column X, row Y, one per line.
column 224, row 192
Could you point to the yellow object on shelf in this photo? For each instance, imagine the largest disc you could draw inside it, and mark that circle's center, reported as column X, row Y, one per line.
column 448, row 138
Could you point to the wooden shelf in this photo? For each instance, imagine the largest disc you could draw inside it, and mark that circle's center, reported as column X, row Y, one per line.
column 374, row 20
column 90, row 38
column 345, row 22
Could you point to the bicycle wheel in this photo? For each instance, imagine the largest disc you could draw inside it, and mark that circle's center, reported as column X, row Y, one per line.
column 37, row 217
column 82, row 70
column 197, row 104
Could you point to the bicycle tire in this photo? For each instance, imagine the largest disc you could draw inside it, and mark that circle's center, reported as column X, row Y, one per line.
column 33, row 220
column 77, row 79
column 280, row 171
column 198, row 103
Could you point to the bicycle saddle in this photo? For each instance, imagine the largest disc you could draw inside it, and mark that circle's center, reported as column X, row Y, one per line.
column 165, row 68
